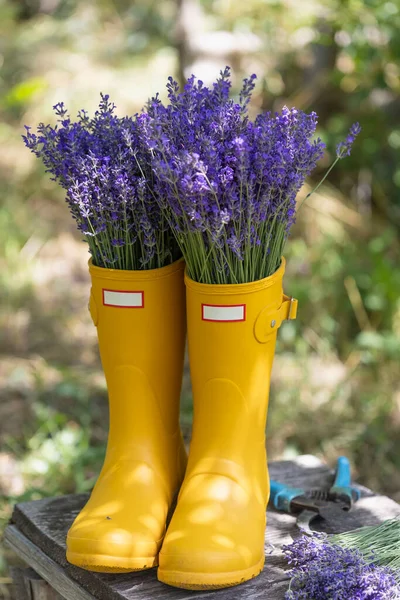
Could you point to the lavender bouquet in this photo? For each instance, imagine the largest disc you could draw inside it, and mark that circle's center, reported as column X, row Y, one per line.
column 104, row 165
column 324, row 571
column 226, row 184
column 363, row 564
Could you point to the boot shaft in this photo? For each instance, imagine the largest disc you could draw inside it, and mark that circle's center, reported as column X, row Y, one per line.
column 232, row 333
column 141, row 327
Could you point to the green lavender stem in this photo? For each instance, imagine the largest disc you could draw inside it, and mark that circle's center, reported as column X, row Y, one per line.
column 378, row 544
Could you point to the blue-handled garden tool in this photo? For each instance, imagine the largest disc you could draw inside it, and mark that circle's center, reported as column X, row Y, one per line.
column 319, row 502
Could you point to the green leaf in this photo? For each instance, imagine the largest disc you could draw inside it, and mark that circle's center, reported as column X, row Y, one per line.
column 24, row 92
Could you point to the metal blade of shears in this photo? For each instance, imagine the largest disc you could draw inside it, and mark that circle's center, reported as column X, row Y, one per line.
column 331, row 514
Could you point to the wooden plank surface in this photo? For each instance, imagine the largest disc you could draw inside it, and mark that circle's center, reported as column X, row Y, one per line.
column 34, row 583
column 19, row 588
column 45, row 523
column 28, row 584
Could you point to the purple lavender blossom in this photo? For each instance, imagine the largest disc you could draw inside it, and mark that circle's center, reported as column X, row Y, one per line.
column 344, row 148
column 105, row 168
column 198, row 169
column 325, row 571
column 226, row 183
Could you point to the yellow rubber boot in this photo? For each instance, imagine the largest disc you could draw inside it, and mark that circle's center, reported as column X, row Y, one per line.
column 140, row 319
column 216, row 536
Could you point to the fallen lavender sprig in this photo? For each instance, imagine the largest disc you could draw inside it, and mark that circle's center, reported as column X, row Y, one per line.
column 228, row 185
column 322, row 570
column 105, row 167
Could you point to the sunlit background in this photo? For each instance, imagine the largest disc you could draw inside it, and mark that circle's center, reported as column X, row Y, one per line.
column 336, row 374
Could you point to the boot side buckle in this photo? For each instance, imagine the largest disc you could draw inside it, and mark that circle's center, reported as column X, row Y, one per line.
column 269, row 321
column 292, row 311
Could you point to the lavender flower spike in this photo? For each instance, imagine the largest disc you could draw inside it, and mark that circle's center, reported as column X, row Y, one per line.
column 344, row 148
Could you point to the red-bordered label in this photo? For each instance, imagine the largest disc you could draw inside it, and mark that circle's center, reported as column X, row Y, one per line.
column 123, row 299
column 223, row 313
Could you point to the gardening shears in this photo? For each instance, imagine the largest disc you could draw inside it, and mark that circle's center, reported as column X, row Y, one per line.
column 324, row 503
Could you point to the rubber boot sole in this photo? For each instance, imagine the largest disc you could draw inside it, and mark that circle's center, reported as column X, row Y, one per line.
column 209, row 581
column 101, row 563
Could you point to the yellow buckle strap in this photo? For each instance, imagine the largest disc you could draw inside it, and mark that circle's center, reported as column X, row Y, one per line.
column 269, row 321
column 288, row 308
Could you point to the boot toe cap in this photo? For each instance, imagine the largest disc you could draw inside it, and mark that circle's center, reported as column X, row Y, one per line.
column 201, row 560
column 204, row 550
column 111, row 541
column 107, row 547
column 207, row 567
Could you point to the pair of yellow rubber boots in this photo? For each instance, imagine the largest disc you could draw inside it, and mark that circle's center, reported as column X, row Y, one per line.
column 216, row 535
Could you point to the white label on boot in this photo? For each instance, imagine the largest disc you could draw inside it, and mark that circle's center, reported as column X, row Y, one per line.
column 123, row 299
column 234, row 312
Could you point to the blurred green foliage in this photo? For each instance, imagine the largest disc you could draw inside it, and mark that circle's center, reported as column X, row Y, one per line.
column 336, row 385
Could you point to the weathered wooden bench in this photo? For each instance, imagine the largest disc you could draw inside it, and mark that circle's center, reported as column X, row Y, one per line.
column 38, row 529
